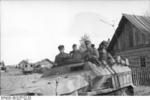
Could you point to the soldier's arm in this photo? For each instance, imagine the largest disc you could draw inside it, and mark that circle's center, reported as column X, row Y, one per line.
column 56, row 61
column 111, row 57
column 97, row 53
column 71, row 53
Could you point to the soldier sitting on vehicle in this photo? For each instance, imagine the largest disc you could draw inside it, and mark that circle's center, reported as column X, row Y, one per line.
column 75, row 53
column 94, row 51
column 62, row 56
column 91, row 54
column 105, row 56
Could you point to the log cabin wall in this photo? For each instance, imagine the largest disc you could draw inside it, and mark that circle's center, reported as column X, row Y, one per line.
column 131, row 38
column 135, row 45
column 140, row 74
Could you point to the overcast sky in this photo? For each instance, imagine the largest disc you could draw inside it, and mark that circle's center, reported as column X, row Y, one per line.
column 34, row 29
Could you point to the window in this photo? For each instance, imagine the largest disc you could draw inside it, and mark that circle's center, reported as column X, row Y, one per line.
column 143, row 62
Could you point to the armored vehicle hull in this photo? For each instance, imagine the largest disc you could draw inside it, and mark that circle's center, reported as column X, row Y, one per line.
column 82, row 78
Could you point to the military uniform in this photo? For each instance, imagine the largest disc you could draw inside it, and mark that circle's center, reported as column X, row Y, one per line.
column 92, row 55
column 61, row 57
column 95, row 53
column 76, row 55
column 105, row 57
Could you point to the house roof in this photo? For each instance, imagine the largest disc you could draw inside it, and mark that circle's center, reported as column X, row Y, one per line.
column 23, row 62
column 140, row 22
column 44, row 61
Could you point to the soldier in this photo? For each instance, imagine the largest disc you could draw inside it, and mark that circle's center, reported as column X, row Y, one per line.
column 105, row 56
column 62, row 56
column 75, row 53
column 91, row 54
column 94, row 51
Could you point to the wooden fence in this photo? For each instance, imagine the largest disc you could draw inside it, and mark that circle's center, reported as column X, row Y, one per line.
column 141, row 76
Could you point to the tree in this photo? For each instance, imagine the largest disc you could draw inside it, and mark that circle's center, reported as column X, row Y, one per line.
column 84, row 38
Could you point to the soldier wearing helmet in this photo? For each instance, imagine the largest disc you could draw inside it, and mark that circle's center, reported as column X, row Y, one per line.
column 91, row 54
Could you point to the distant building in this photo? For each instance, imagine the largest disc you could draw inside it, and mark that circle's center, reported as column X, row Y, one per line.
column 23, row 64
column 132, row 40
column 44, row 63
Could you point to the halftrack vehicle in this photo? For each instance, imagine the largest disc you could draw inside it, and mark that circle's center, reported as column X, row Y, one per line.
column 81, row 78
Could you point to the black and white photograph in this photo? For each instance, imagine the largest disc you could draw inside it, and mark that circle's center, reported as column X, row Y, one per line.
column 74, row 48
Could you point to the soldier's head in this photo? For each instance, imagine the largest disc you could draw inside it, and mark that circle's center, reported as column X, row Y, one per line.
column 88, row 44
column 104, row 45
column 61, row 48
column 74, row 47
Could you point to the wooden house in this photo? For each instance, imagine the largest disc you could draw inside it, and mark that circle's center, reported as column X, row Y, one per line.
column 132, row 40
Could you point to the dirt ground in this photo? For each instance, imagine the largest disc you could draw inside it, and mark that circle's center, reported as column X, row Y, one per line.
column 142, row 91
column 13, row 79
